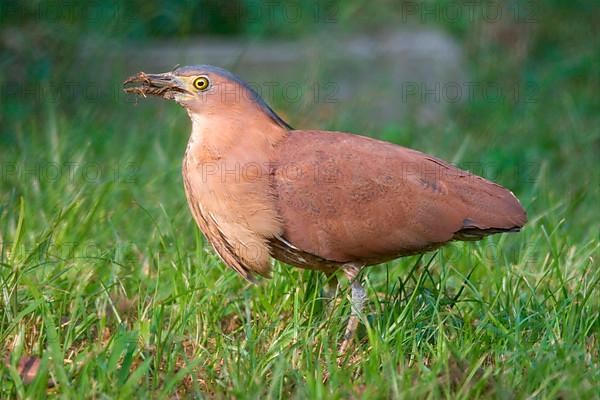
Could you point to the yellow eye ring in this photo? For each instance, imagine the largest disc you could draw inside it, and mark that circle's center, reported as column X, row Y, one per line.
column 201, row 83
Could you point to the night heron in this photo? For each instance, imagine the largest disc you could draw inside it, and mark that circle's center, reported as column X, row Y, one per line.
column 327, row 201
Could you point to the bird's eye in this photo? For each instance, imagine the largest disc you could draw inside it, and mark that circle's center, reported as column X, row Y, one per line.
column 201, row 83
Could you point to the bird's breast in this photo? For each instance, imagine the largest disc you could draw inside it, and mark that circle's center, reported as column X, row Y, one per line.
column 228, row 188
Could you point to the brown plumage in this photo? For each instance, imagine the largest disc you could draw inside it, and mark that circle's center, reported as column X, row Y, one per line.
column 353, row 198
column 315, row 199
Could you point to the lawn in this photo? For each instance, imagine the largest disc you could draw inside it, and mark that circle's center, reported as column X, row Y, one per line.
column 110, row 290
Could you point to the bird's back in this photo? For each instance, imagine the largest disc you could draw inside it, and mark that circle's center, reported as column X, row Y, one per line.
column 349, row 198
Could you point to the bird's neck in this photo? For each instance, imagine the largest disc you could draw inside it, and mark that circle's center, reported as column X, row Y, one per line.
column 216, row 137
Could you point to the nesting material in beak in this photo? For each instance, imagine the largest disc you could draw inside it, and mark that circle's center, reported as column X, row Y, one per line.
column 161, row 85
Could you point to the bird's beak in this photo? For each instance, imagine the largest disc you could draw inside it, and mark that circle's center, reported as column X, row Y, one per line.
column 165, row 85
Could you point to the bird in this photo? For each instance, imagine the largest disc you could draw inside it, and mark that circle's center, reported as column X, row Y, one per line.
column 328, row 201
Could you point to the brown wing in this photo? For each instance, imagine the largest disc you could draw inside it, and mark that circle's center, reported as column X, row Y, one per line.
column 346, row 197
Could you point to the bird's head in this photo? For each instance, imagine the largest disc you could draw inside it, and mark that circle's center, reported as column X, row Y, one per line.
column 202, row 89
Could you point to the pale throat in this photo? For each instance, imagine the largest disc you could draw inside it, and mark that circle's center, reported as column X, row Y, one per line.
column 200, row 125
column 213, row 129
column 196, row 137
column 223, row 132
column 213, row 136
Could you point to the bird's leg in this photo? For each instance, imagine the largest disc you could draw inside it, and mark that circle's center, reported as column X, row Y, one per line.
column 357, row 302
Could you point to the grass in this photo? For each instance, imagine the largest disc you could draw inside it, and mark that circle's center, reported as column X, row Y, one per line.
column 106, row 279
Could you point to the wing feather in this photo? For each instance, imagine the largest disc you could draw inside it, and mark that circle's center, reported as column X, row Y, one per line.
column 346, row 197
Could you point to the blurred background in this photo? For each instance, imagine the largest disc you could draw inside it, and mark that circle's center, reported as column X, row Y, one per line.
column 506, row 89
